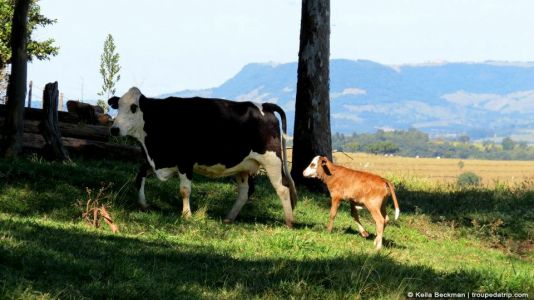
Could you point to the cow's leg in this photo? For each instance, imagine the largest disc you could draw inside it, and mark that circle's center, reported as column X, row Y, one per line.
column 242, row 196
column 273, row 166
column 251, row 186
column 354, row 213
column 185, row 191
column 140, row 184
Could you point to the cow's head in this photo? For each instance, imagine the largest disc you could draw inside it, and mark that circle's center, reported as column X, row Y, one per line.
column 129, row 120
column 318, row 167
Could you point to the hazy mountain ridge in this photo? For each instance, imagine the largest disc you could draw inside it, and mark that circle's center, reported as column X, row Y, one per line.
column 480, row 99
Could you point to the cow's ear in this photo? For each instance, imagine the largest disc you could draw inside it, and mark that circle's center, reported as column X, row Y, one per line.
column 324, row 165
column 114, row 102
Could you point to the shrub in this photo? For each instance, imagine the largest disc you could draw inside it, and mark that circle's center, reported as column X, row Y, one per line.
column 468, row 179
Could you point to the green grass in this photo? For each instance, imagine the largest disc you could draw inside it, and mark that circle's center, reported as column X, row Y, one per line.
column 447, row 240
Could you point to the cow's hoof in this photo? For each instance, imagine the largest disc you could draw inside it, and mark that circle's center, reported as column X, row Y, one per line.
column 186, row 214
column 227, row 221
column 289, row 225
column 365, row 234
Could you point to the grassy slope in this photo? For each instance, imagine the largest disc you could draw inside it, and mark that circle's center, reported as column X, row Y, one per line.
column 446, row 240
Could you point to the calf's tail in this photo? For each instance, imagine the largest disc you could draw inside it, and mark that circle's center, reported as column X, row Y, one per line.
column 394, row 197
column 285, row 168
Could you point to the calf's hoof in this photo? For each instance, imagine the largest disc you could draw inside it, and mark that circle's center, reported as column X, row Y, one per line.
column 378, row 244
column 227, row 221
column 365, row 234
column 186, row 214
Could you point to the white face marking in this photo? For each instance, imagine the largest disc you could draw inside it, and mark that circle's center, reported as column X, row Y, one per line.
column 311, row 170
column 130, row 123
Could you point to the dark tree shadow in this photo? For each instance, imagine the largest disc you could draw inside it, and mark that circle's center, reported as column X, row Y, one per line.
column 56, row 187
column 76, row 264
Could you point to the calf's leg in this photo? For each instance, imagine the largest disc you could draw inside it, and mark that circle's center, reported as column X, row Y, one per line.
column 242, row 196
column 380, row 225
column 333, row 213
column 354, row 213
column 384, row 214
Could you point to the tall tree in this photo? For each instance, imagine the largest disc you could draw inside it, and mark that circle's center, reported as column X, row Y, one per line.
column 36, row 49
column 109, row 69
column 312, row 115
column 16, row 90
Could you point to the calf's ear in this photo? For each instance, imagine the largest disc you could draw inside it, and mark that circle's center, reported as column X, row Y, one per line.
column 114, row 102
column 325, row 168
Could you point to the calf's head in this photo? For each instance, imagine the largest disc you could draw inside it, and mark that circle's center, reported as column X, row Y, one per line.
column 129, row 120
column 318, row 168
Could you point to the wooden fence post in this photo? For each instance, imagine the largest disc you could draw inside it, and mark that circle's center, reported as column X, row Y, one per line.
column 49, row 125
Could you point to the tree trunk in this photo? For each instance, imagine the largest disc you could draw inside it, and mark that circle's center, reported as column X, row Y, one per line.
column 312, row 134
column 16, row 90
column 50, row 126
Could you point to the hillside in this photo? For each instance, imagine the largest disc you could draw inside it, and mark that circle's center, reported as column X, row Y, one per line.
column 482, row 100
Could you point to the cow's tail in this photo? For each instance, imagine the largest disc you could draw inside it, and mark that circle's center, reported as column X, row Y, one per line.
column 394, row 197
column 285, row 168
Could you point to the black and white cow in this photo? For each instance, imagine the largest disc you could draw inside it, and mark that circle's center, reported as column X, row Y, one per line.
column 212, row 137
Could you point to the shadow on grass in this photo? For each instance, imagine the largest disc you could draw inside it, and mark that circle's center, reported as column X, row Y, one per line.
column 501, row 211
column 69, row 263
column 54, row 189
column 43, row 187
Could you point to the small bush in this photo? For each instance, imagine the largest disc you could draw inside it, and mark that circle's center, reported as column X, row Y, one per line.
column 468, row 179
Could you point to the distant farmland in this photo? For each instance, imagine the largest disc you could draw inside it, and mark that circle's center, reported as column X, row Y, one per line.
column 440, row 170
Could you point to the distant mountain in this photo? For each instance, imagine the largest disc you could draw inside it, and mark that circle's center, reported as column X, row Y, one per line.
column 482, row 100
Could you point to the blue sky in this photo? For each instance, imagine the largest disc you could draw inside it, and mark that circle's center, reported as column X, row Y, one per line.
column 171, row 45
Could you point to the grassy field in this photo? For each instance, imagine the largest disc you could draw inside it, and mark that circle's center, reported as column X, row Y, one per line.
column 446, row 240
column 444, row 170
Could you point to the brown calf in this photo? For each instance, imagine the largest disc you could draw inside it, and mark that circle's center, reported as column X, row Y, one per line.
column 360, row 188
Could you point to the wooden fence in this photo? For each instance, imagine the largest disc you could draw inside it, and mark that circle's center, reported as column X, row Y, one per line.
column 57, row 133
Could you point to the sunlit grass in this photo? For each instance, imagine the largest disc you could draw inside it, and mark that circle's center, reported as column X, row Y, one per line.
column 447, row 239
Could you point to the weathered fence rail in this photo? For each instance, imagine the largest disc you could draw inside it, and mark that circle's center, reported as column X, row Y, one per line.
column 51, row 131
